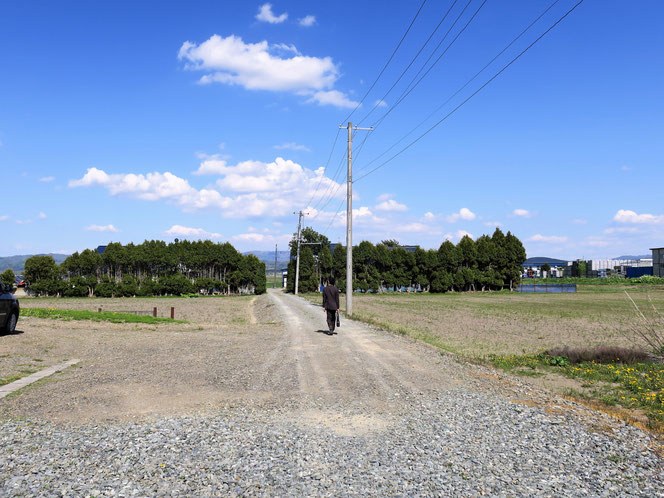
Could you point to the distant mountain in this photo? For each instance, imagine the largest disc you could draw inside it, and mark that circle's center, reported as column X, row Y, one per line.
column 645, row 256
column 17, row 263
column 267, row 257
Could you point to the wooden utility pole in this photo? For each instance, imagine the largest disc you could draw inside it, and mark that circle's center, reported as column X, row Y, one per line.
column 349, row 219
column 275, row 266
column 297, row 261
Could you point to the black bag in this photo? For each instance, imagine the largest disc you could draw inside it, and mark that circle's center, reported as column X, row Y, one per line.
column 338, row 321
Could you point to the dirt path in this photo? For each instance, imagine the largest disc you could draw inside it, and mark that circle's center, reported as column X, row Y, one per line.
column 357, row 363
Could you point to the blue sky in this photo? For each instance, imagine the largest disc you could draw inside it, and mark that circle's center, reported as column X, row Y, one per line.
column 127, row 121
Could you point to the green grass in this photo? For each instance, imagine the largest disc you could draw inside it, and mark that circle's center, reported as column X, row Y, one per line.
column 104, row 316
column 9, row 380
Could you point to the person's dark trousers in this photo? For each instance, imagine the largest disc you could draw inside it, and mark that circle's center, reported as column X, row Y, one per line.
column 331, row 319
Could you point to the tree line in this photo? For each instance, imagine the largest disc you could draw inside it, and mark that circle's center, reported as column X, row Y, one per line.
column 153, row 268
column 488, row 263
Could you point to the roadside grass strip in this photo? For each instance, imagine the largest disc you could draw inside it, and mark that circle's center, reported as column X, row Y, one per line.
column 634, row 386
column 104, row 316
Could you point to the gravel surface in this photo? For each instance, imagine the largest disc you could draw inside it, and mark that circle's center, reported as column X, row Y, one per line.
column 360, row 413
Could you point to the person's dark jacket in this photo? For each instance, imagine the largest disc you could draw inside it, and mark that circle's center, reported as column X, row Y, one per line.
column 331, row 298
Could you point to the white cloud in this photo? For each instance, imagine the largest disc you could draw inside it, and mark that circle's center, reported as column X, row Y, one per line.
column 307, row 21
column 413, row 227
column 333, row 97
column 463, row 214
column 362, row 212
column 579, row 221
column 4, row 217
column 265, row 14
column 621, row 230
column 248, row 189
column 262, row 238
column 292, row 146
column 547, row 238
column 429, row 216
column 627, row 216
column 523, row 213
column 391, row 205
column 42, row 216
column 102, row 228
column 211, row 165
column 259, row 66
column 458, row 235
column 626, row 168
column 222, row 146
column 493, row 224
column 47, row 179
column 380, row 103
column 198, row 233
column 384, row 197
column 23, row 222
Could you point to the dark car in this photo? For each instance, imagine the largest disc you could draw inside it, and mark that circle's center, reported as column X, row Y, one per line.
column 9, row 310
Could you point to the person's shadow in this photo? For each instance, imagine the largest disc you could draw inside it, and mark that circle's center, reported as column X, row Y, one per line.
column 321, row 331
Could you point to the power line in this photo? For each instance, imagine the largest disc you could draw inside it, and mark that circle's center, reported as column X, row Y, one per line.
column 474, row 93
column 412, row 61
column 432, row 113
column 330, row 192
column 325, row 167
column 334, row 217
column 387, row 63
column 408, row 90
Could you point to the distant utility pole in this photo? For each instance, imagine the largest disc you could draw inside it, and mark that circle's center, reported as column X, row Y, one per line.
column 349, row 219
column 275, row 266
column 297, row 261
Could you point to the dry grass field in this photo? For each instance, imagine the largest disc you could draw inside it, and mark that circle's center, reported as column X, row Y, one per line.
column 478, row 324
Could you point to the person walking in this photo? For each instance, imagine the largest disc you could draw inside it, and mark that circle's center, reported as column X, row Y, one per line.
column 331, row 304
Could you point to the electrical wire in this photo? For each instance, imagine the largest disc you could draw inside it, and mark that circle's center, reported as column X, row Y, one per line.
column 472, row 95
column 325, row 168
column 334, row 217
column 514, row 40
column 387, row 63
column 410, row 88
column 412, row 61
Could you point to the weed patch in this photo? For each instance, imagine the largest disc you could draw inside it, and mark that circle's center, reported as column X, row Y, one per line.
column 635, row 386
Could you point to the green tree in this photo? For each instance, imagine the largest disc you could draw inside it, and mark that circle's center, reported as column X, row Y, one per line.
column 43, row 276
column 546, row 267
column 8, row 278
column 515, row 256
column 448, row 257
column 390, row 243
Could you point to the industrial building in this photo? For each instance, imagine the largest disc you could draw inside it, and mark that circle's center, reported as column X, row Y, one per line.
column 657, row 261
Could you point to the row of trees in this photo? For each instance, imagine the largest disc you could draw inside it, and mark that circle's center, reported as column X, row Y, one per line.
column 488, row 263
column 148, row 269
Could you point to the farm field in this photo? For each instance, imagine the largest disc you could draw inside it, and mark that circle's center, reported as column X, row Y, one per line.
column 480, row 324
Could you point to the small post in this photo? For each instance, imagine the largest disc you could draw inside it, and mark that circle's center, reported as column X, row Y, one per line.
column 154, row 312
column 172, row 313
column 98, row 310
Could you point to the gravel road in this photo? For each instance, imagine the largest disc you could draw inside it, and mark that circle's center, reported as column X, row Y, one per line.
column 363, row 412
